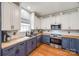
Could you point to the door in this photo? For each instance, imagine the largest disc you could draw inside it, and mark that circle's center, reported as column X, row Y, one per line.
column 29, row 46
column 38, row 40
column 46, row 39
column 6, row 16
column 77, row 46
column 0, row 42
column 20, row 49
column 10, row 16
column 73, row 44
column 16, row 17
column 33, row 43
column 66, row 43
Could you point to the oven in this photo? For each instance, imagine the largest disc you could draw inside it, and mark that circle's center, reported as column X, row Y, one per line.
column 55, row 40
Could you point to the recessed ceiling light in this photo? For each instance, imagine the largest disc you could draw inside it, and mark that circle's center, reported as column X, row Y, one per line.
column 28, row 7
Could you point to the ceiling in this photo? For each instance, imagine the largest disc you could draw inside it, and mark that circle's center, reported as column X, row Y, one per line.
column 45, row 8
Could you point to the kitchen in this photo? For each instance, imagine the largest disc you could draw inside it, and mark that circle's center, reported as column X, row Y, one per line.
column 39, row 29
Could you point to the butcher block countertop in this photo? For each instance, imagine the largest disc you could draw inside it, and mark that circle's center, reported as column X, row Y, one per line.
column 72, row 36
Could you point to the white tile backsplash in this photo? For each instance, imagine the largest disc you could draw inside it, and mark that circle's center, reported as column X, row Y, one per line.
column 65, row 32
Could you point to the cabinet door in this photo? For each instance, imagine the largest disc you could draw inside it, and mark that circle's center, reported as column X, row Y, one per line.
column 77, row 46
column 65, row 21
column 33, row 43
column 66, row 43
column 29, row 46
column 6, row 16
column 72, row 44
column 16, row 16
column 38, row 40
column 10, row 16
column 0, row 51
column 46, row 39
column 20, row 49
column 75, row 20
column 0, row 42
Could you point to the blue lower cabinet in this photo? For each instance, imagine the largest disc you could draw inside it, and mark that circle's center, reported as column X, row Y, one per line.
column 73, row 44
column 20, row 49
column 77, row 46
column 29, row 46
column 66, row 43
column 33, row 43
column 38, row 41
column 9, row 51
column 0, row 42
column 46, row 39
column 0, row 51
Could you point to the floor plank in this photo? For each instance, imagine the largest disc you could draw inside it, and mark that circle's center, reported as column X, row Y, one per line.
column 46, row 50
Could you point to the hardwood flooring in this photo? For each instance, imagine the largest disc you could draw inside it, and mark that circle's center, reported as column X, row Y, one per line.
column 46, row 50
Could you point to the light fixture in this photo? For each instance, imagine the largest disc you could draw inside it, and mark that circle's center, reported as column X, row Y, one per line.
column 61, row 13
column 28, row 7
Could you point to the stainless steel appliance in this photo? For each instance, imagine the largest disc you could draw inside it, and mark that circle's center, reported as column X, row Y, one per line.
column 56, row 27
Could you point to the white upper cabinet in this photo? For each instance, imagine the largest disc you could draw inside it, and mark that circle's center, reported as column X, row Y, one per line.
column 65, row 21
column 70, row 21
column 6, row 16
column 36, row 22
column 75, row 21
column 10, row 14
column 16, row 18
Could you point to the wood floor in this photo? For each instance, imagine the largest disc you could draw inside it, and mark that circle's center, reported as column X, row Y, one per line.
column 46, row 50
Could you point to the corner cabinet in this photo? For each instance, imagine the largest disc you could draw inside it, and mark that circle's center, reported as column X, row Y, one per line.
column 10, row 16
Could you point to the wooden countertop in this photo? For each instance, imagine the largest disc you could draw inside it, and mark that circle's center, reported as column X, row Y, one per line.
column 72, row 36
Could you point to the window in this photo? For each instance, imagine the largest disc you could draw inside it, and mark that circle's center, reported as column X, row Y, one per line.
column 25, row 27
column 25, row 20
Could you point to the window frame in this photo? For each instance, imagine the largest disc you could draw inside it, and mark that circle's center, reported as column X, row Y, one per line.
column 27, row 21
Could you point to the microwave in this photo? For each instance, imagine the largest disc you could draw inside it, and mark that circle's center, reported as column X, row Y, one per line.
column 56, row 27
